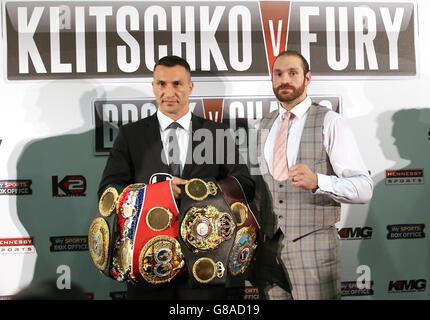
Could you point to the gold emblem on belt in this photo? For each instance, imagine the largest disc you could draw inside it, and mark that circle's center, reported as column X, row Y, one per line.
column 197, row 189
column 108, row 200
column 161, row 259
column 205, row 270
column 205, row 228
column 159, row 218
column 98, row 239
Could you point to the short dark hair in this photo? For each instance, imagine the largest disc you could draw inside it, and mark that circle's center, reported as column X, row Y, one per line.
column 171, row 61
column 305, row 64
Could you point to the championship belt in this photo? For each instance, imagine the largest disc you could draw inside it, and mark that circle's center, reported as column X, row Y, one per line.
column 102, row 231
column 128, row 206
column 207, row 229
column 148, row 248
column 245, row 242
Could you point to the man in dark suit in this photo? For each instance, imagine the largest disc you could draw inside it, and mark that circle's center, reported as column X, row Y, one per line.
column 142, row 149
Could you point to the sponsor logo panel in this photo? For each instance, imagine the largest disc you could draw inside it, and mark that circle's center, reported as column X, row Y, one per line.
column 68, row 243
column 251, row 293
column 235, row 111
column 69, row 186
column 15, row 187
column 17, row 245
column 351, row 289
column 355, row 233
column 405, row 231
column 407, row 286
column 404, row 177
column 118, row 295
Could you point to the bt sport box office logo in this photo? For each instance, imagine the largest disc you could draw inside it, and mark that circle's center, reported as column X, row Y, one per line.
column 48, row 40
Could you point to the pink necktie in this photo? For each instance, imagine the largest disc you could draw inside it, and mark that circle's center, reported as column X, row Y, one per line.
column 280, row 166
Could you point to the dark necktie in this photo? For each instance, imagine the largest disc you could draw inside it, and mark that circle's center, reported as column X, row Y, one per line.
column 174, row 161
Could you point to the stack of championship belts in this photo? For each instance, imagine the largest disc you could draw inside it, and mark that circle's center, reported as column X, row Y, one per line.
column 138, row 233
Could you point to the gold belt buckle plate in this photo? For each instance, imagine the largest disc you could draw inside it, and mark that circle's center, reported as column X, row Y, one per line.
column 98, row 240
column 205, row 228
column 161, row 259
column 197, row 189
column 107, row 202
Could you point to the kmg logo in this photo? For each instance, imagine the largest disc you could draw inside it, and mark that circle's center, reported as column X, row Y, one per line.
column 407, row 286
column 357, row 233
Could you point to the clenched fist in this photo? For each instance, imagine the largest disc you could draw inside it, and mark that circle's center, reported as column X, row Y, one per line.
column 300, row 175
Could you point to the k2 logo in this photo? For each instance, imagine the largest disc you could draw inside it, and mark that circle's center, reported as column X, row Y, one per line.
column 69, row 186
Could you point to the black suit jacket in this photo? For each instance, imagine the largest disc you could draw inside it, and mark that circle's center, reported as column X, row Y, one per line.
column 136, row 156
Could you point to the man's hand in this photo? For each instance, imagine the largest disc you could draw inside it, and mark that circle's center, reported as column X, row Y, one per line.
column 176, row 182
column 300, row 175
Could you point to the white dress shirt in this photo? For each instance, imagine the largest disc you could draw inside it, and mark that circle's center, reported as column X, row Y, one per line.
column 181, row 133
column 352, row 183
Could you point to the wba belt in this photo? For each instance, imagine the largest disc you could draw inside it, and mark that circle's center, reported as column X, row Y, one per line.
column 148, row 248
column 246, row 238
column 207, row 229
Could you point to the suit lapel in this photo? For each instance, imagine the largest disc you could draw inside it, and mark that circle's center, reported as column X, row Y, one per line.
column 265, row 126
column 196, row 124
column 154, row 138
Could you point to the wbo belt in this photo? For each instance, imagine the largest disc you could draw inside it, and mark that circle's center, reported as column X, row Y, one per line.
column 245, row 242
column 207, row 229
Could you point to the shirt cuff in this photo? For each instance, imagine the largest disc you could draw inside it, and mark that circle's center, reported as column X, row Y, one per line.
column 324, row 184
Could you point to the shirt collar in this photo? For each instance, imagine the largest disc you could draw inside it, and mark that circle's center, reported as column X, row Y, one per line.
column 165, row 121
column 299, row 110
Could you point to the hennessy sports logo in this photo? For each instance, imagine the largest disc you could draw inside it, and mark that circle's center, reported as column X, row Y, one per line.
column 228, row 39
column 69, row 186
column 401, row 286
column 351, row 289
column 405, row 231
column 357, row 233
column 402, row 177
column 16, row 245
column 15, row 187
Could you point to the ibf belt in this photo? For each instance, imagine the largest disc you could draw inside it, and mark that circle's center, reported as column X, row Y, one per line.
column 156, row 255
column 101, row 235
column 246, row 238
column 207, row 229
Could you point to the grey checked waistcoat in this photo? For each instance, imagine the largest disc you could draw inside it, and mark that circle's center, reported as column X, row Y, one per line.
column 297, row 212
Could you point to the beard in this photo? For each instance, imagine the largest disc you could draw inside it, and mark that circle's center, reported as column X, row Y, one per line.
column 290, row 95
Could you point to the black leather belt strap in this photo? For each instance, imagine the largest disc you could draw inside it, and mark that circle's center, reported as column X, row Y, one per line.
column 202, row 261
